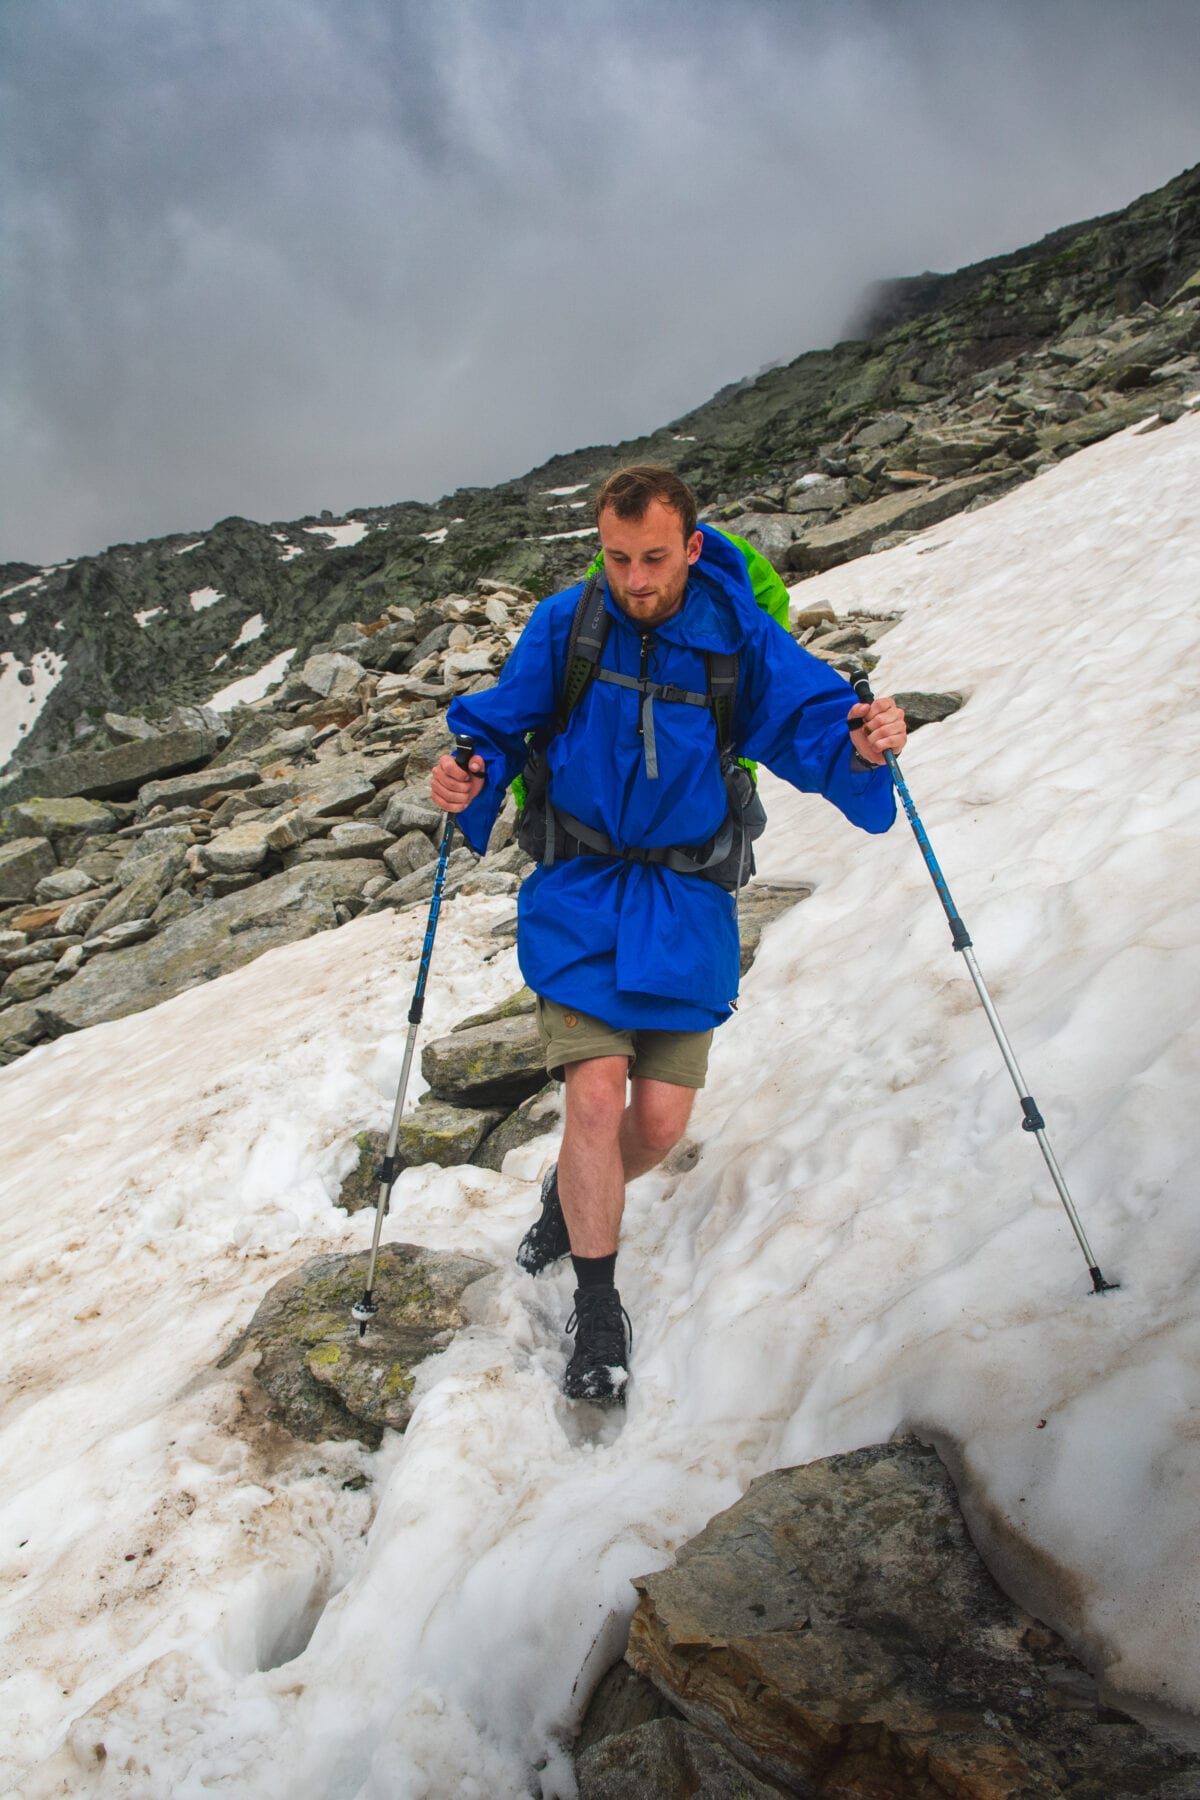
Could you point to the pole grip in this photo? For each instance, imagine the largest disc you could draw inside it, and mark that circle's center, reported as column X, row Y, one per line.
column 464, row 750
column 862, row 687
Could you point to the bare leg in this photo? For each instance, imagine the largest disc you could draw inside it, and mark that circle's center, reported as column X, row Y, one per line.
column 605, row 1144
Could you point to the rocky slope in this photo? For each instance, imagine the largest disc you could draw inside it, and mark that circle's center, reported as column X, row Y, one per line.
column 959, row 387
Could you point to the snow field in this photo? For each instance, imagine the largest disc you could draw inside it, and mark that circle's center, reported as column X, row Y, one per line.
column 868, row 1242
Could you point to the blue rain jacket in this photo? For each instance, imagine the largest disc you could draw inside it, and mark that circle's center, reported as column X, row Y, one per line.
column 636, row 944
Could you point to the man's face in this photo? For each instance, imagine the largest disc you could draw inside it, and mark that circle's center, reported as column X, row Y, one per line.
column 647, row 561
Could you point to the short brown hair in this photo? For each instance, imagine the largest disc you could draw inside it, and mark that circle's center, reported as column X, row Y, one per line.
column 629, row 492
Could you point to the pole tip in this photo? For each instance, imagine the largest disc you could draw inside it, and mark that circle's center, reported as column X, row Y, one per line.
column 1099, row 1285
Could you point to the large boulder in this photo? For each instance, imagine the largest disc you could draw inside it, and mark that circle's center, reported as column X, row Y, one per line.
column 221, row 936
column 325, row 1380
column 854, row 533
column 194, row 789
column 54, row 819
column 498, row 1064
column 837, row 1632
column 113, row 774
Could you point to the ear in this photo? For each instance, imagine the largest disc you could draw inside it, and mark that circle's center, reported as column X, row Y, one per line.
column 694, row 546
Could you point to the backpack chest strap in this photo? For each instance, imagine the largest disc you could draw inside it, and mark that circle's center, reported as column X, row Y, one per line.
column 650, row 692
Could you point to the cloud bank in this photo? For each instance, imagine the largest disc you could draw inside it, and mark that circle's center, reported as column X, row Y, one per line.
column 323, row 252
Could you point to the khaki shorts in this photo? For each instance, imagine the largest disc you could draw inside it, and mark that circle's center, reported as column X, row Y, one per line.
column 680, row 1057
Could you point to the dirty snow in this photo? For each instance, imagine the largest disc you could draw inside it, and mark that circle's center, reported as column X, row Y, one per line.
column 867, row 1244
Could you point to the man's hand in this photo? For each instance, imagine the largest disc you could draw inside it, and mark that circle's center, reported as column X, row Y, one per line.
column 877, row 728
column 453, row 788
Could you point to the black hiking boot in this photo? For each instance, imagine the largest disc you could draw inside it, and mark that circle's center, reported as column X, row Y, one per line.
column 546, row 1241
column 599, row 1369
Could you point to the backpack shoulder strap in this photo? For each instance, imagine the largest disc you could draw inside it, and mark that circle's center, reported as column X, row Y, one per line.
column 589, row 631
column 722, row 670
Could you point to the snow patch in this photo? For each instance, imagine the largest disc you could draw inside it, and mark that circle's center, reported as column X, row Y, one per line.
column 203, row 597
column 554, row 537
column 562, row 492
column 18, row 618
column 252, row 687
column 253, row 628
column 33, row 582
column 144, row 618
column 20, row 704
column 352, row 532
column 186, row 549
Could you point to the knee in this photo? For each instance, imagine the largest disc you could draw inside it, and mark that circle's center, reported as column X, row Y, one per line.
column 596, row 1097
column 660, row 1126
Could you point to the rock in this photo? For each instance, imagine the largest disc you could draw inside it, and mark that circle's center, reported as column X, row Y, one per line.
column 10, row 943
column 517, row 1006
column 123, row 729
column 324, row 1380
column 405, row 812
column 101, row 774
column 38, row 921
column 29, row 982
column 667, row 1759
column 771, row 533
column 195, row 789
column 55, row 818
column 70, row 962
column 360, row 1188
column 540, row 1114
column 887, row 430
column 119, row 937
column 239, row 849
column 412, row 852
column 927, row 709
column 208, row 942
column 287, row 833
column 47, row 949
column 80, row 915
column 838, row 1633
column 23, row 863
column 758, row 903
column 325, row 677
column 172, row 840
column 63, row 884
column 360, row 837
column 151, row 878
column 854, row 533
column 436, row 1132
column 220, row 885
column 20, row 1028
column 813, row 615
column 419, row 885
column 497, row 1064
column 335, row 796
column 175, row 905
column 819, row 496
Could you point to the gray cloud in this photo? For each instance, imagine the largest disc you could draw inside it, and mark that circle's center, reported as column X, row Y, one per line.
column 317, row 252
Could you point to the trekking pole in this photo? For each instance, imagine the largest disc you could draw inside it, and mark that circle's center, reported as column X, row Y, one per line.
column 364, row 1310
column 1032, row 1120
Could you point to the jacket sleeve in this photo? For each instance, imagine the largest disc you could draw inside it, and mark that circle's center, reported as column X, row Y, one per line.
column 499, row 719
column 791, row 716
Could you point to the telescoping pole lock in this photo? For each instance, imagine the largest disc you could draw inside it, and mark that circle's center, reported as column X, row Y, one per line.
column 1032, row 1119
column 364, row 1310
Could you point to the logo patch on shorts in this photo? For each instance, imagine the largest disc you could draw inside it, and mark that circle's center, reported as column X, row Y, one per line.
column 570, row 1020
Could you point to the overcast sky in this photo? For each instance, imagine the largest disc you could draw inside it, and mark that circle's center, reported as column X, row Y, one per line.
column 270, row 256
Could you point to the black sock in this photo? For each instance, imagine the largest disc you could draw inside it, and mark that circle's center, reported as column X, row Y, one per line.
column 595, row 1271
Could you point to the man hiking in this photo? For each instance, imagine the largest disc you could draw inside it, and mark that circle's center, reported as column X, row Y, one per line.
column 627, row 930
